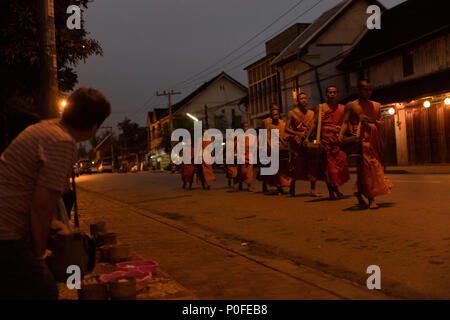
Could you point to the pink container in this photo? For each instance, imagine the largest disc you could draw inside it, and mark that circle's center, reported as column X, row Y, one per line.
column 142, row 277
column 142, row 265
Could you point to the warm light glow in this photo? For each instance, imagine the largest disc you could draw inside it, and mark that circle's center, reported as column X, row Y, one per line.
column 427, row 104
column 191, row 116
column 447, row 101
column 63, row 103
column 391, row 111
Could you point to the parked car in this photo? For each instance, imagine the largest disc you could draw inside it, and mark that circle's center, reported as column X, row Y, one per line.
column 94, row 169
column 105, row 166
column 85, row 166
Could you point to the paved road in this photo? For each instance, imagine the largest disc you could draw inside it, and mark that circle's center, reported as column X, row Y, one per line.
column 313, row 247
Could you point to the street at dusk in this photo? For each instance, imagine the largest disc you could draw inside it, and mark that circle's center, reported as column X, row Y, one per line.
column 240, row 245
column 238, row 159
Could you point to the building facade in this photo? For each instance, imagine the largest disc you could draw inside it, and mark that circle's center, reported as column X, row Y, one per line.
column 309, row 63
column 263, row 77
column 220, row 103
column 409, row 68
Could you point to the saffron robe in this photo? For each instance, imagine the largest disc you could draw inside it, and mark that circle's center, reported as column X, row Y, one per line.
column 299, row 166
column 336, row 166
column 245, row 171
column 205, row 171
column 282, row 177
column 371, row 181
column 188, row 169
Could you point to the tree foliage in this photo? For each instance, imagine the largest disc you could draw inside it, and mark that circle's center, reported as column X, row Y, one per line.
column 133, row 138
column 19, row 54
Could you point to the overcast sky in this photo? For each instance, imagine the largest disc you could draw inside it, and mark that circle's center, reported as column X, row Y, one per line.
column 152, row 45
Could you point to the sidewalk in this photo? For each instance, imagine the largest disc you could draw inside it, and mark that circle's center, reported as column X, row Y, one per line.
column 161, row 287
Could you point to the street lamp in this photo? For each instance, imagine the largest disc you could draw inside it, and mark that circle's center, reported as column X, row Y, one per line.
column 447, row 101
column 192, row 117
column 427, row 104
column 62, row 105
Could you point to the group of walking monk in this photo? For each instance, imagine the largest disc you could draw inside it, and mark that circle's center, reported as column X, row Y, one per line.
column 329, row 125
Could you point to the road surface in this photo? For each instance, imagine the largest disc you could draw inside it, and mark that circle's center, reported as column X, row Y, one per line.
column 250, row 245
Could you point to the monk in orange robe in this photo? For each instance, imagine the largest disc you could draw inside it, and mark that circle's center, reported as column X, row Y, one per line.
column 336, row 165
column 230, row 169
column 205, row 172
column 245, row 171
column 281, row 178
column 188, row 170
column 371, row 180
column 299, row 123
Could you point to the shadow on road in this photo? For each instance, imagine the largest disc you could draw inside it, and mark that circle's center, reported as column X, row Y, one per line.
column 380, row 205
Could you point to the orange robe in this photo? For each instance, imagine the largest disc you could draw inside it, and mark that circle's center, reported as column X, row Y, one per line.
column 371, row 181
column 299, row 166
column 245, row 171
column 282, row 177
column 230, row 169
column 205, row 171
column 336, row 167
column 188, row 170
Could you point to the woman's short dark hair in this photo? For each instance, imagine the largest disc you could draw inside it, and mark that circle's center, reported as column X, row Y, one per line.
column 85, row 108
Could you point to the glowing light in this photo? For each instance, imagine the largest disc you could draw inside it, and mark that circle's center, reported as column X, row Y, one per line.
column 447, row 101
column 191, row 116
column 427, row 104
column 391, row 111
column 63, row 103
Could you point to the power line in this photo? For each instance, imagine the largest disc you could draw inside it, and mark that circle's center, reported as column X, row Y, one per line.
column 257, row 44
column 241, row 46
column 231, row 68
column 188, row 83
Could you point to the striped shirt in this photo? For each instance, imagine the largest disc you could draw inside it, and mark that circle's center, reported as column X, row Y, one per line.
column 43, row 154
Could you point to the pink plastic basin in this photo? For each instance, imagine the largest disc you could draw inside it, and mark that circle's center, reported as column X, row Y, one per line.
column 141, row 277
column 141, row 265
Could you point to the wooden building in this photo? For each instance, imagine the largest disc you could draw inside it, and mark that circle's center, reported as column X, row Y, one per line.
column 408, row 63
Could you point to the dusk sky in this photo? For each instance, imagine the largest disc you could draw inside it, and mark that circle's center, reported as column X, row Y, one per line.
column 152, row 45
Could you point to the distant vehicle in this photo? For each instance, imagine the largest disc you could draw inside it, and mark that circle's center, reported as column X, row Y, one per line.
column 85, row 166
column 105, row 166
column 94, row 169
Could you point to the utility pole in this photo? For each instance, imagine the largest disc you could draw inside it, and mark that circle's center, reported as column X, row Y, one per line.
column 48, row 105
column 169, row 95
column 206, row 116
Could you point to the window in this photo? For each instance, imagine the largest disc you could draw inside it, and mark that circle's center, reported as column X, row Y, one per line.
column 408, row 64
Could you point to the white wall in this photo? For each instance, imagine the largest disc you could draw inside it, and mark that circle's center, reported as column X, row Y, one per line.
column 218, row 93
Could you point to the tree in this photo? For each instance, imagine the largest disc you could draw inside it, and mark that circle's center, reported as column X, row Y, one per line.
column 133, row 138
column 19, row 54
column 82, row 152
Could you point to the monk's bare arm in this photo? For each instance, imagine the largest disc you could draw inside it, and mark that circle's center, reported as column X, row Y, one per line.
column 379, row 121
column 314, row 124
column 289, row 125
column 345, row 122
